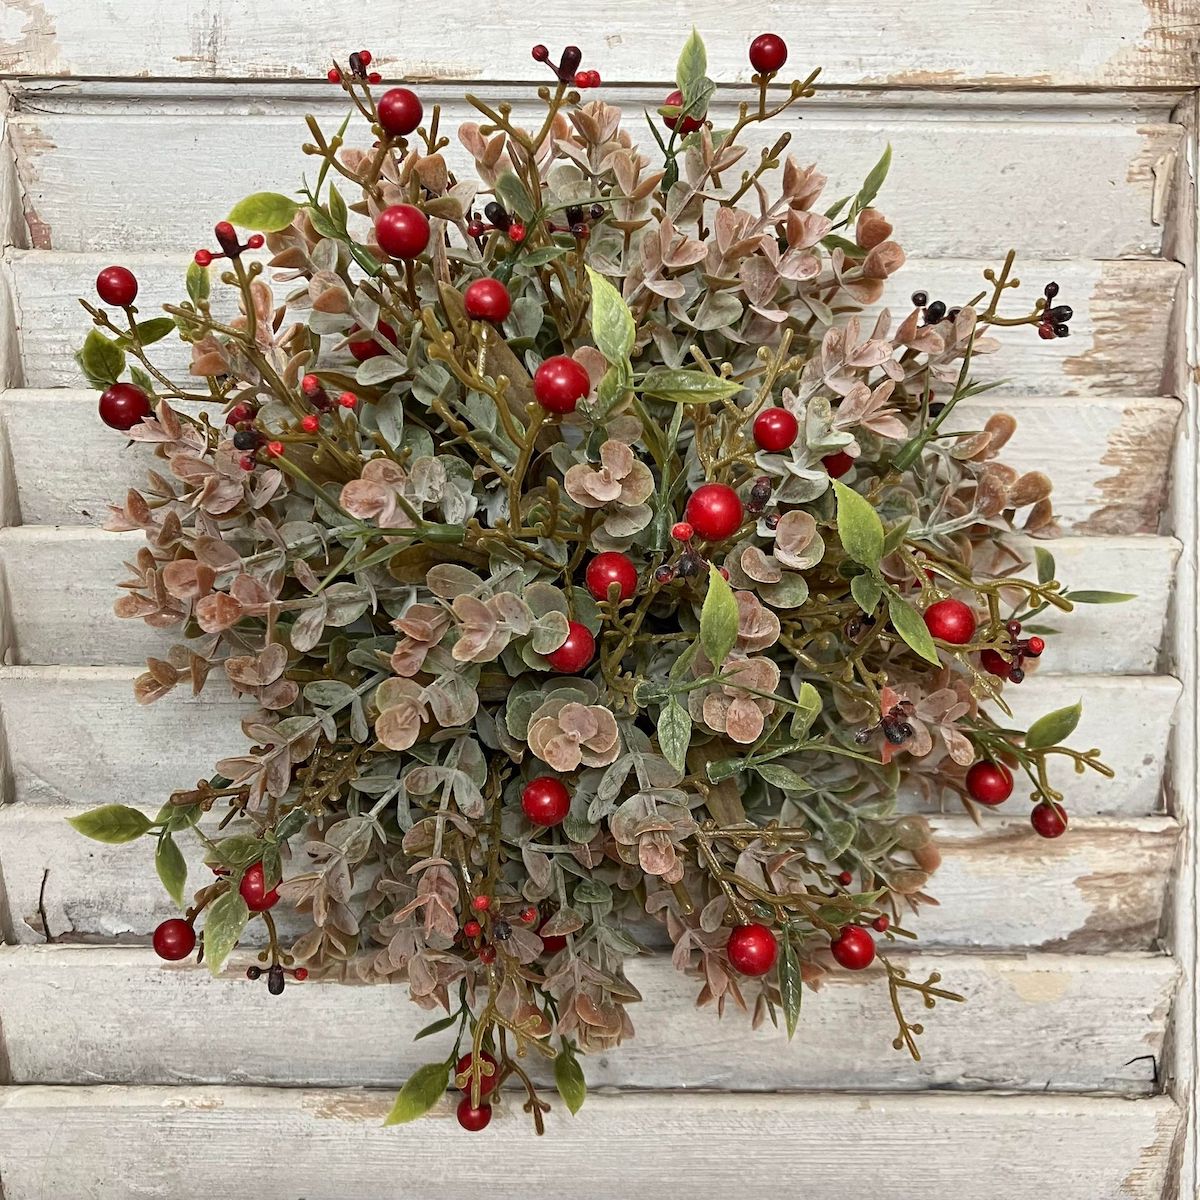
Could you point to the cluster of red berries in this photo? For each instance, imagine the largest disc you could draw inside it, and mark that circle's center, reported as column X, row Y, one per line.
column 231, row 247
column 991, row 783
column 1018, row 649
column 498, row 925
column 1055, row 322
column 497, row 219
column 122, row 405
column 360, row 61
column 568, row 66
column 753, row 948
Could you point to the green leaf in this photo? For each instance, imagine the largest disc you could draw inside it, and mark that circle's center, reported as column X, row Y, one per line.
column 323, row 223
column 718, row 619
column 266, row 212
column 859, row 527
column 612, row 322
column 541, row 256
column 1094, row 597
column 808, row 708
column 199, row 283
column 895, row 536
column 425, row 1087
column 100, row 359
column 838, row 836
column 227, row 917
column 514, row 195
column 872, row 184
column 791, row 984
column 1054, row 727
column 681, row 386
column 675, row 733
column 783, row 777
column 691, row 76
column 568, row 1078
column 338, row 212
column 1045, row 564
column 112, row 823
column 867, row 592
column 171, row 868
column 240, row 850
column 149, row 332
column 436, row 1026
column 910, row 625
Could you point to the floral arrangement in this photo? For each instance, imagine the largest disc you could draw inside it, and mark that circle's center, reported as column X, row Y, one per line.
column 600, row 577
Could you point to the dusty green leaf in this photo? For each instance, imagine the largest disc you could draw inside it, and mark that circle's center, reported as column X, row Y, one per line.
column 1090, row 596
column 867, row 592
column 783, row 777
column 718, row 619
column 112, row 823
column 227, row 917
column 199, row 282
column 675, row 733
column 265, row 212
column 100, row 359
column 872, row 184
column 681, row 386
column 1054, row 727
column 424, row 1088
column 612, row 322
column 1045, row 564
column 171, row 868
column 910, row 625
column 568, row 1078
column 859, row 527
column 514, row 195
column 808, row 708
column 791, row 984
column 691, row 77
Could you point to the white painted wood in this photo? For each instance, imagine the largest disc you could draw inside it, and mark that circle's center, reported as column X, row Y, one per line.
column 1101, row 887
column 1110, row 43
column 1117, row 345
column 61, row 1026
column 1114, row 480
column 188, row 1142
column 122, row 191
column 61, row 585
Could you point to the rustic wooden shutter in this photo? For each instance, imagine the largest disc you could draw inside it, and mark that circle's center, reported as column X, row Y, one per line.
column 1066, row 130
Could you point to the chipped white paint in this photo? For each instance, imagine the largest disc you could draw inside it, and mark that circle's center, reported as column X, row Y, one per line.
column 292, row 1142
column 1111, row 1010
column 1117, row 344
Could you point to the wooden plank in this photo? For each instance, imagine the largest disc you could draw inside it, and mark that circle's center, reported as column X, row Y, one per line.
column 60, row 1026
column 122, row 192
column 1113, row 481
column 1101, row 887
column 61, row 585
column 1117, row 346
column 75, row 736
column 97, row 1141
column 1105, row 43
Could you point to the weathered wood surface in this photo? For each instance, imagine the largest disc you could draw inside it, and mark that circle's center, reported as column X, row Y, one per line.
column 1113, row 480
column 60, row 1026
column 121, row 192
column 1118, row 343
column 188, row 1142
column 1101, row 887
column 74, row 735
column 1105, row 43
column 61, row 585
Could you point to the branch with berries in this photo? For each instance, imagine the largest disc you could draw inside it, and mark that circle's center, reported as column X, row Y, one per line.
column 586, row 557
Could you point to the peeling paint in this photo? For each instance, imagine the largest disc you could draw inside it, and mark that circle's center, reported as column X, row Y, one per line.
column 350, row 1106
column 35, row 51
column 1039, row 987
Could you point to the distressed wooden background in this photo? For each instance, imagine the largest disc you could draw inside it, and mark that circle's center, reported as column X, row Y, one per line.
column 1065, row 130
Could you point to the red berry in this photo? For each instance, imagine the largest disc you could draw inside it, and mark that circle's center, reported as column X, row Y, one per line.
column 481, row 903
column 364, row 57
column 117, row 285
column 752, row 949
column 881, row 923
column 333, row 75
column 608, row 568
column 203, row 258
column 768, row 52
column 545, row 800
column 487, row 299
column 690, row 124
column 854, row 948
column 560, row 383
column 254, row 890
column 845, row 878
column 1048, row 820
column 400, row 111
column 174, row 939
column 364, row 348
column 775, row 429
column 310, row 385
column 528, row 914
column 552, row 943
column 487, row 1082
column 374, row 77
column 994, row 663
column 470, row 1118
column 950, row 621
column 310, row 423
column 989, row 782
column 581, row 78
column 275, row 449
column 682, row 531
column 225, row 231
column 255, row 241
column 516, row 232
column 239, row 413
column 472, row 929
column 714, row 511
column 487, row 954
column 402, row 231
column 1034, row 647
column 247, row 462
column 836, row 465
column 1046, row 331
column 540, row 53
column 122, row 406
column 348, row 400
column 576, row 652
column 300, row 974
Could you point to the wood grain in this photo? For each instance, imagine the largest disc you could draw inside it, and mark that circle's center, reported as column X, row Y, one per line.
column 1118, row 343
column 187, row 1142
column 1111, row 1011
column 1106, row 43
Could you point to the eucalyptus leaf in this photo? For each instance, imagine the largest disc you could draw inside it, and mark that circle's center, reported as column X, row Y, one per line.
column 515, row 197
column 1054, row 727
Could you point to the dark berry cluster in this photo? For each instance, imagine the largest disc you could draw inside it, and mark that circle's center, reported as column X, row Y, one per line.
column 934, row 311
column 1018, row 649
column 231, row 247
column 577, row 220
column 277, row 976
column 568, row 66
column 359, row 63
column 496, row 218
column 1055, row 318
column 893, row 724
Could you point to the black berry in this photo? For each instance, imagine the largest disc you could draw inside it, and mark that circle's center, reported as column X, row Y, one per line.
column 246, row 439
column 920, row 299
